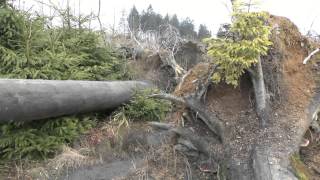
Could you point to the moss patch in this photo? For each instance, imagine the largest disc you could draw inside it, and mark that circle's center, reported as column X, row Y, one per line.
column 300, row 169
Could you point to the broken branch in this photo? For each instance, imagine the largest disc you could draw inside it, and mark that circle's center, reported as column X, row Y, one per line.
column 310, row 55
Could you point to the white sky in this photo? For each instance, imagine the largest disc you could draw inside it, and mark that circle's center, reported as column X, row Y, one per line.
column 210, row 12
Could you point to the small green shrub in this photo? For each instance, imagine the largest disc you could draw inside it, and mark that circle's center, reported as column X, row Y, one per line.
column 40, row 139
column 235, row 54
column 142, row 108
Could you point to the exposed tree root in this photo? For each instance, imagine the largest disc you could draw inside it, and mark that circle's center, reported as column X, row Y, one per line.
column 210, row 119
column 185, row 137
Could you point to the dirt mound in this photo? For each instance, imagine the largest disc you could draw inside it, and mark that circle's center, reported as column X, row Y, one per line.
column 296, row 85
column 297, row 78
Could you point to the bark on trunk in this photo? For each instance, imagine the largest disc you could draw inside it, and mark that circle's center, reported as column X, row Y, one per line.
column 26, row 100
column 270, row 160
column 262, row 102
column 267, row 166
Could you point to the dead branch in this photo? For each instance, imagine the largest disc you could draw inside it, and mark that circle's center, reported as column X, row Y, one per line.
column 162, row 126
column 169, row 59
column 183, row 78
column 135, row 39
column 170, row 97
column 170, row 40
column 195, row 142
column 213, row 122
column 310, row 55
column 100, row 24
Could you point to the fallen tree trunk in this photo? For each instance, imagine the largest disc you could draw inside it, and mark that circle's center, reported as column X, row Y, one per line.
column 26, row 100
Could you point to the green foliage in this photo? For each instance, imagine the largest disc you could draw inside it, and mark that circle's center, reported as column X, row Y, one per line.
column 30, row 48
column 235, row 54
column 11, row 28
column 3, row 3
column 142, row 108
column 40, row 139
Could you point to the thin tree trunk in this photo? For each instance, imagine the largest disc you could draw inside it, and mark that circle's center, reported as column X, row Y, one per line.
column 262, row 101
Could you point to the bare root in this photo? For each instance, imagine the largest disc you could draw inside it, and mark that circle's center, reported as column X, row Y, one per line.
column 210, row 119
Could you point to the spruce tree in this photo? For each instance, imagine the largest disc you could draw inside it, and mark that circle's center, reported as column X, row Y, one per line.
column 203, row 32
column 134, row 19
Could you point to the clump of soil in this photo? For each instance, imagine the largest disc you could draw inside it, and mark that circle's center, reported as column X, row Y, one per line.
column 190, row 81
column 297, row 78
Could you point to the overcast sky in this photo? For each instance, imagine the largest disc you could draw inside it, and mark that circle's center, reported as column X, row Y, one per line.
column 303, row 13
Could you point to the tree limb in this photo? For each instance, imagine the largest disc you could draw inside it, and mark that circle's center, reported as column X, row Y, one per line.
column 159, row 125
column 170, row 97
column 310, row 55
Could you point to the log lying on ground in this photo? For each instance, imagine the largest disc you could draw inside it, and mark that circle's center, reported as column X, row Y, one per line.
column 26, row 100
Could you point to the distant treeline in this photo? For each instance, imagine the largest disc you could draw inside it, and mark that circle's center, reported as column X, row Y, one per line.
column 149, row 20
